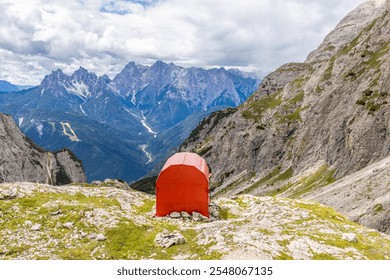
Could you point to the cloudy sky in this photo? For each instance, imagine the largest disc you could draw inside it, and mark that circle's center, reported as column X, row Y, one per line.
column 38, row 36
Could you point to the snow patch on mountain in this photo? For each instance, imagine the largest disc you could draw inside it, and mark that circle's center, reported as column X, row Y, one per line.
column 68, row 131
column 82, row 110
column 143, row 121
column 53, row 127
column 148, row 155
column 20, row 121
column 131, row 113
column 80, row 89
column 133, row 99
column 39, row 129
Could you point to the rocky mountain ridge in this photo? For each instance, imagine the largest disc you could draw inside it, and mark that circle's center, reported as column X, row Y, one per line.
column 318, row 121
column 22, row 160
column 121, row 128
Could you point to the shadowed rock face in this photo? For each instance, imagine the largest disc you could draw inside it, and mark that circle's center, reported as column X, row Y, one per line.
column 22, row 160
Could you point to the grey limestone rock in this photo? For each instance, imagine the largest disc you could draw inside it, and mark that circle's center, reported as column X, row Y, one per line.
column 36, row 227
column 175, row 215
column 197, row 217
column 214, row 210
column 100, row 237
column 350, row 237
column 185, row 215
column 347, row 29
column 8, row 195
column 92, row 236
column 68, row 225
column 22, row 160
column 166, row 239
column 28, row 223
column 57, row 212
column 332, row 110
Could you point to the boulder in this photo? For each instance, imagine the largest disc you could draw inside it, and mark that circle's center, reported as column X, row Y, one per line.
column 350, row 237
column 175, row 215
column 55, row 213
column 68, row 225
column 166, row 239
column 100, row 237
column 28, row 223
column 185, row 215
column 214, row 210
column 8, row 194
column 197, row 217
column 36, row 227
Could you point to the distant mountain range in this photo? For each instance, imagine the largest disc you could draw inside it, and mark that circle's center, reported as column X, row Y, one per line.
column 23, row 161
column 122, row 127
column 8, row 87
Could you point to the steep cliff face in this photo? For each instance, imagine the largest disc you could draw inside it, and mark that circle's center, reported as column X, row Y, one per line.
column 329, row 114
column 22, row 160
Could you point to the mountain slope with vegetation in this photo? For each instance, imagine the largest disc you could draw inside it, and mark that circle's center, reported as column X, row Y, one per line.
column 309, row 123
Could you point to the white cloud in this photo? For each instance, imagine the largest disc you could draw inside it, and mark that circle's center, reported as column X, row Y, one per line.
column 37, row 36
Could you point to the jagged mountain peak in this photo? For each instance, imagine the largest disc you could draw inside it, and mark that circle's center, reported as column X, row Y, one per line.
column 131, row 69
column 81, row 72
column 348, row 28
column 159, row 64
column 56, row 75
column 134, row 66
column 82, row 69
column 81, row 84
column 82, row 78
column 105, row 78
column 131, row 64
column 136, row 109
column 53, row 82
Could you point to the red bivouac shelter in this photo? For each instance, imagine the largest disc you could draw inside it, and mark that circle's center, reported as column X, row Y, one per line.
column 183, row 185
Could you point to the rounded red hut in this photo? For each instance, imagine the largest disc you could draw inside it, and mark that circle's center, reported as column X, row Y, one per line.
column 183, row 185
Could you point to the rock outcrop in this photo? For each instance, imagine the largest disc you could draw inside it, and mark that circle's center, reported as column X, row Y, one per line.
column 332, row 111
column 22, row 160
column 363, row 196
column 312, row 123
column 95, row 222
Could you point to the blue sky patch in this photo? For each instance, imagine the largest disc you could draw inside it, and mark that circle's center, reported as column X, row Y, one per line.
column 121, row 7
